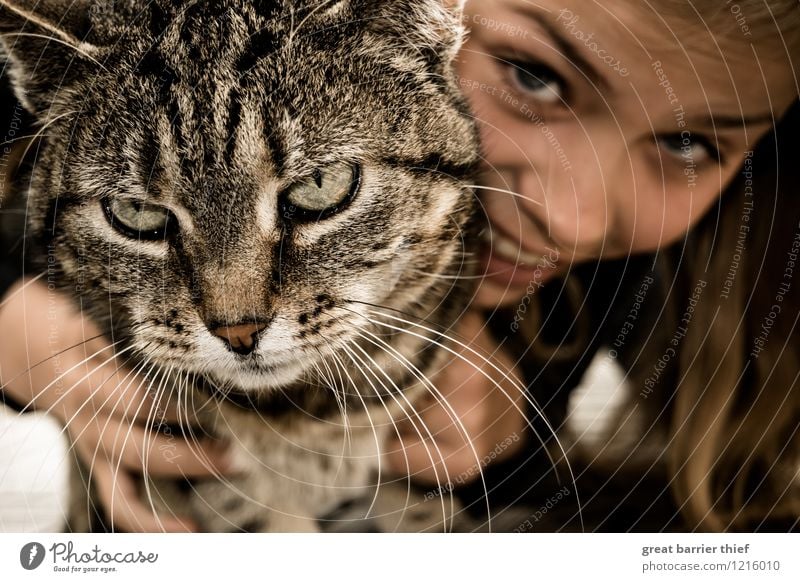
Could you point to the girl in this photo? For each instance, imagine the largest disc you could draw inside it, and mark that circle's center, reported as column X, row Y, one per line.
column 617, row 127
column 610, row 131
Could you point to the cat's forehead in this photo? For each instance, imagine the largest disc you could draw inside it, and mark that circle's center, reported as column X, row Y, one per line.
column 283, row 45
column 158, row 19
column 210, row 94
column 208, row 33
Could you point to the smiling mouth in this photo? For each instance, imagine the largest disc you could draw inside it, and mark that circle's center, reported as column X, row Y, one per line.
column 509, row 250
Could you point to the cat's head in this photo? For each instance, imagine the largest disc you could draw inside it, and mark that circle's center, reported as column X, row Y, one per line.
column 241, row 180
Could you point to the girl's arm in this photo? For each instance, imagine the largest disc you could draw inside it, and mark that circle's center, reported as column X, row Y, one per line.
column 488, row 403
column 53, row 359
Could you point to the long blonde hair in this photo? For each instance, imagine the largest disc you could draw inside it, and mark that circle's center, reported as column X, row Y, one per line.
column 734, row 451
column 732, row 415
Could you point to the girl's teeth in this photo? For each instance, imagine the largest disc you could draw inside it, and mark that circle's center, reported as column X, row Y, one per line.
column 509, row 250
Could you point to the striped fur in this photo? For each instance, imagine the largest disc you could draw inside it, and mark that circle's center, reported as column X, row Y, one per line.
column 212, row 109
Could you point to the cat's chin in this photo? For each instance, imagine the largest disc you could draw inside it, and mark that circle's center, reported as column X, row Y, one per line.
column 259, row 379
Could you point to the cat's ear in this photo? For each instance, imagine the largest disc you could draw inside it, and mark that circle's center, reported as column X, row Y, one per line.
column 46, row 46
column 452, row 31
column 457, row 5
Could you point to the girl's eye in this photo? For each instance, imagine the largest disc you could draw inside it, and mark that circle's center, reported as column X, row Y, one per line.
column 694, row 148
column 139, row 220
column 538, row 81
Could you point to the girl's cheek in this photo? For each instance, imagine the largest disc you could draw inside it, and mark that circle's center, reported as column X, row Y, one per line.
column 665, row 211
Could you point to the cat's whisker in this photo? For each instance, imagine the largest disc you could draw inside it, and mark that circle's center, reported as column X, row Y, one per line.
column 168, row 397
column 174, row 397
column 396, row 429
column 502, row 191
column 121, row 339
column 447, row 277
column 512, row 381
column 402, row 395
column 117, row 467
column 348, row 435
column 341, row 404
column 132, row 373
column 28, row 281
column 198, row 448
column 130, row 425
column 443, row 333
column 523, row 393
column 147, row 435
column 76, row 438
column 150, row 435
column 60, row 38
column 339, row 398
column 206, row 404
column 187, row 412
column 78, row 381
column 330, row 385
column 230, row 486
column 327, row 383
column 41, row 131
column 164, row 381
column 120, row 397
column 429, row 386
column 191, row 413
column 183, row 404
column 86, row 359
column 342, row 366
column 378, row 446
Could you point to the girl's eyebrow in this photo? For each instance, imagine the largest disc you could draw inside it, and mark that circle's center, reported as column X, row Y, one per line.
column 572, row 52
column 733, row 121
column 567, row 48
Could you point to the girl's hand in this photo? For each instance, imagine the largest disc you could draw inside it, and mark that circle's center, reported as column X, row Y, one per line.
column 54, row 360
column 488, row 404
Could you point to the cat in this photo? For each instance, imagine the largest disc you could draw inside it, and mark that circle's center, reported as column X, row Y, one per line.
column 267, row 205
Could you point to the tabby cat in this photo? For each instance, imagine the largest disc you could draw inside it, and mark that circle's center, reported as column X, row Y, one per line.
column 265, row 203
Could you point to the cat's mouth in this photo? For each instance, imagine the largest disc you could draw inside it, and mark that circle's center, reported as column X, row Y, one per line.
column 257, row 374
column 261, row 400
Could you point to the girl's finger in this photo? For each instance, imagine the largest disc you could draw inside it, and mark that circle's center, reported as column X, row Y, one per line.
column 140, row 450
column 422, row 461
column 120, row 498
column 111, row 387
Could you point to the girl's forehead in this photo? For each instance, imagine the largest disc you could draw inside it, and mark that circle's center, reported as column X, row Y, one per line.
column 713, row 60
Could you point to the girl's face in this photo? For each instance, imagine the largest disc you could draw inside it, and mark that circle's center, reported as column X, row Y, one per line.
column 608, row 130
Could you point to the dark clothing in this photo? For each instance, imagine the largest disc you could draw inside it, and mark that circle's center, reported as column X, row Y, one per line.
column 14, row 125
column 616, row 309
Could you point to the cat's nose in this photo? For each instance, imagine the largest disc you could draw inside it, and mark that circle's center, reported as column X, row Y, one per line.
column 241, row 339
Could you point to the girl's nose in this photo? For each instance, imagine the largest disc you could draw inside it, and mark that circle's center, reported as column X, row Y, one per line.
column 573, row 208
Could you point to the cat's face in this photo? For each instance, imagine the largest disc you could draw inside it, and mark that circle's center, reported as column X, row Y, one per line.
column 244, row 180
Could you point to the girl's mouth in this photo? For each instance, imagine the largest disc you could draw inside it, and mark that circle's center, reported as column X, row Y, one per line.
column 505, row 262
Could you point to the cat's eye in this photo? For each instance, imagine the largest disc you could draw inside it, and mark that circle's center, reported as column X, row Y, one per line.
column 537, row 81
column 323, row 193
column 139, row 220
